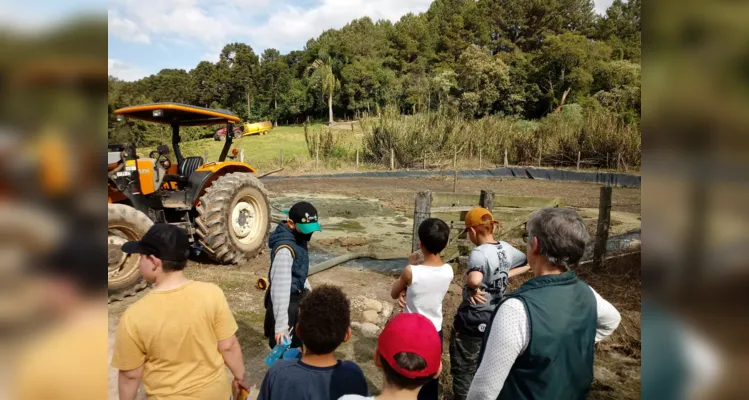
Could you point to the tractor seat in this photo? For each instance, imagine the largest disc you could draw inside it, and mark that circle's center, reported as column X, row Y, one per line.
column 188, row 165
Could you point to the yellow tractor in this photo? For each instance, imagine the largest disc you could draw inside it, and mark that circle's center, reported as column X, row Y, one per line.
column 246, row 129
column 222, row 205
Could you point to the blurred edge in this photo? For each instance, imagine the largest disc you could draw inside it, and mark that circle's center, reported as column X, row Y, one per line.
column 695, row 219
column 53, row 109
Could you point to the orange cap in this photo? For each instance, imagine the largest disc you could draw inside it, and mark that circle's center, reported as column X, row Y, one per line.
column 477, row 216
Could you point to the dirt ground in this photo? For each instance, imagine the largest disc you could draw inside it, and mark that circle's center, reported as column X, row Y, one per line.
column 385, row 205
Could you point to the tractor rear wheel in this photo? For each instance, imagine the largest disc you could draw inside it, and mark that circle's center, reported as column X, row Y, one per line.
column 125, row 223
column 234, row 218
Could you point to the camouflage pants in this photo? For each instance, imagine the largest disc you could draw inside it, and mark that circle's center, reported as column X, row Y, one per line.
column 464, row 357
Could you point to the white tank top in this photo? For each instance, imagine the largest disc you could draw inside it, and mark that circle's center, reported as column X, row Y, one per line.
column 427, row 290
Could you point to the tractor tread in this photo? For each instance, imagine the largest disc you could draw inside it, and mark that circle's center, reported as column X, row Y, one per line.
column 214, row 212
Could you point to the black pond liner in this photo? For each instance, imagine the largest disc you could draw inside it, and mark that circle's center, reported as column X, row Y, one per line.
column 548, row 174
column 394, row 265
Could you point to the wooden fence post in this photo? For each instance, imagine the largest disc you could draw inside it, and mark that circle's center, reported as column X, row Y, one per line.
column 602, row 230
column 480, row 154
column 281, row 158
column 506, row 163
column 578, row 160
column 455, row 167
column 241, row 155
column 357, row 158
column 618, row 161
column 317, row 149
column 425, row 159
column 486, row 199
column 352, row 127
column 422, row 211
column 205, row 156
column 392, row 159
column 539, row 152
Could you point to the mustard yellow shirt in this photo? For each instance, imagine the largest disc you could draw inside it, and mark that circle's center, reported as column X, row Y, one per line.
column 68, row 362
column 174, row 334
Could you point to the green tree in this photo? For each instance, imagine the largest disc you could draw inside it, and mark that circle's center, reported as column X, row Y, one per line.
column 566, row 63
column 274, row 78
column 322, row 74
column 621, row 28
column 237, row 72
column 484, row 80
column 206, row 83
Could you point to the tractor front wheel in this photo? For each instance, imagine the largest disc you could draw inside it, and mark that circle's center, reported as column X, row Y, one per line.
column 234, row 218
column 125, row 223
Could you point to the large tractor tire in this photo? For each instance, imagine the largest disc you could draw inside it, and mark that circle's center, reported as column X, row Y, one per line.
column 234, row 218
column 125, row 223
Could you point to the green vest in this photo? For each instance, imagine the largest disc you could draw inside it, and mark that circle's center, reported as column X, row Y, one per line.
column 558, row 362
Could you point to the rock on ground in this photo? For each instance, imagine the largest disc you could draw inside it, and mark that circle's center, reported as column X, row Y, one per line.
column 387, row 311
column 371, row 304
column 370, row 316
column 370, row 330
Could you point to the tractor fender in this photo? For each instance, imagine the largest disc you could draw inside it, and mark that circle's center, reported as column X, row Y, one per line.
column 206, row 174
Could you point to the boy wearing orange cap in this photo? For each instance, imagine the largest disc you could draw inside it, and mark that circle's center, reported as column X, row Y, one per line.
column 490, row 264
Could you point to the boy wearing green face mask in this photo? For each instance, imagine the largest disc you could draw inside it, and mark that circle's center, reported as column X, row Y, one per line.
column 288, row 272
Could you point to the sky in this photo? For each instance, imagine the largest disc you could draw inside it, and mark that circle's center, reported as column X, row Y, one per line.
column 146, row 36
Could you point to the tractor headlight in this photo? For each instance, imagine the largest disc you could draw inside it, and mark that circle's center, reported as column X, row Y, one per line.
column 158, row 113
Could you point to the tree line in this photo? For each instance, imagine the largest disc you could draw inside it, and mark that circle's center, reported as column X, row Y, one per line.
column 514, row 58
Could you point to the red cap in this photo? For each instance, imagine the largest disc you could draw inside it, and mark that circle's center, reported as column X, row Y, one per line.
column 411, row 333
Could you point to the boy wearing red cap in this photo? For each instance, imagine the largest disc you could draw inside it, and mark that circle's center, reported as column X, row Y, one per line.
column 409, row 352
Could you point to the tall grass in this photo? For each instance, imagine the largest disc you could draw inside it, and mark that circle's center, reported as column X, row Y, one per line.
column 598, row 135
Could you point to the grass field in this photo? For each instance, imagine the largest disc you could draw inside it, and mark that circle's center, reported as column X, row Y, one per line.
column 264, row 152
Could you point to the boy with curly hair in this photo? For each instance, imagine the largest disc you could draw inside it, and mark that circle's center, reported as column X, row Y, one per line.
column 324, row 319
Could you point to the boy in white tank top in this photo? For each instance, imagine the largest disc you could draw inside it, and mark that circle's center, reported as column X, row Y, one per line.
column 425, row 281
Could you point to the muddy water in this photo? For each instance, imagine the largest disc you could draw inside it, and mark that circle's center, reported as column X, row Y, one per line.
column 364, row 225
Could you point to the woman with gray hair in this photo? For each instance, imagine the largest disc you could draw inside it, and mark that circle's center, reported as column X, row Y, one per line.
column 539, row 344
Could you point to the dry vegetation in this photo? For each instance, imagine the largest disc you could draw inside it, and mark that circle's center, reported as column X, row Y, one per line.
column 601, row 138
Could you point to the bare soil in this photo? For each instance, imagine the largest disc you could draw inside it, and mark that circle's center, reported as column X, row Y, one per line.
column 363, row 211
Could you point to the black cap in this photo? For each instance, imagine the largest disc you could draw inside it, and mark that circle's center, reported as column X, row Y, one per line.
column 165, row 241
column 304, row 216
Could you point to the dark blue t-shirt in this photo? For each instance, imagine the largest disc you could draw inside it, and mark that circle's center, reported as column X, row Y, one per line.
column 295, row 380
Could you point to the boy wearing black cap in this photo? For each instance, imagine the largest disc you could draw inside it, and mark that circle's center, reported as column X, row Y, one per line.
column 288, row 272
column 181, row 333
column 409, row 352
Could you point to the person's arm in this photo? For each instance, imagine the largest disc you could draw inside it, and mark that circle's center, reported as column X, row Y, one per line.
column 232, row 353
column 402, row 283
column 476, row 269
column 518, row 260
column 225, row 328
column 508, row 338
column 516, row 257
column 608, row 317
column 129, row 357
column 128, row 383
column 280, row 288
column 518, row 271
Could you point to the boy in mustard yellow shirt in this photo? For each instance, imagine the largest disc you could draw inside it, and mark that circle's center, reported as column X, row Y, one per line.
column 177, row 338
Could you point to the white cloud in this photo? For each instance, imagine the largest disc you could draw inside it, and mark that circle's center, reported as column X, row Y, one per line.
column 188, row 21
column 213, row 24
column 602, row 6
column 126, row 29
column 293, row 26
column 211, row 56
column 125, row 71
